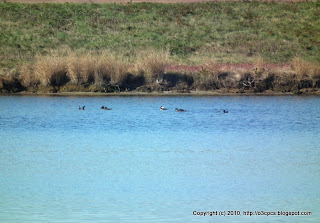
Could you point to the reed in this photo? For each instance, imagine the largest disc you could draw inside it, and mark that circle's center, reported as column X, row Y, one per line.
column 50, row 70
column 151, row 64
column 117, row 68
column 216, row 76
column 108, row 71
column 74, row 69
column 27, row 77
column 208, row 76
column 305, row 69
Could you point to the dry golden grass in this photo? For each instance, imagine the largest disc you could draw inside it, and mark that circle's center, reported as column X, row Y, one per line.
column 76, row 69
column 152, row 63
column 106, row 69
column 110, row 68
column 26, row 76
column 305, row 69
column 118, row 71
column 215, row 76
column 50, row 70
column 259, row 65
column 208, row 77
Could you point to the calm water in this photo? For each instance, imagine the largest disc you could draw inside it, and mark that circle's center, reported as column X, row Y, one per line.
column 136, row 163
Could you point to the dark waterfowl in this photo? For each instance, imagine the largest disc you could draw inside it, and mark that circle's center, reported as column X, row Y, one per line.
column 163, row 108
column 180, row 110
column 82, row 108
column 224, row 111
column 105, row 108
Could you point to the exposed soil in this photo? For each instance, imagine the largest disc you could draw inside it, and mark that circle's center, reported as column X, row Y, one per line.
column 135, row 1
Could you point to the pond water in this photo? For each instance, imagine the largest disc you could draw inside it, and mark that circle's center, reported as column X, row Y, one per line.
column 136, row 163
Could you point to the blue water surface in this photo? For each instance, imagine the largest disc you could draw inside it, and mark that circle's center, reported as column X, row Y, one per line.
column 136, row 163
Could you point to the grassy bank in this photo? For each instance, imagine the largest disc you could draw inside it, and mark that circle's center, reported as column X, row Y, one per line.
column 151, row 71
column 102, row 46
column 233, row 32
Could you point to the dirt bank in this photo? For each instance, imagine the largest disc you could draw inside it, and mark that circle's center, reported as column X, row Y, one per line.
column 218, row 79
column 310, row 92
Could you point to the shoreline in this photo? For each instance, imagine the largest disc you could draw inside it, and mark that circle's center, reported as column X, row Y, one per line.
column 163, row 94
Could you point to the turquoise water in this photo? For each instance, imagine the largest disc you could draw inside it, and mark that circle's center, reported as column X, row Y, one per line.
column 136, row 163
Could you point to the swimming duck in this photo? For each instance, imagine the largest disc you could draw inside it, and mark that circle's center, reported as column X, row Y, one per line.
column 105, row 108
column 224, row 111
column 163, row 108
column 180, row 110
column 82, row 108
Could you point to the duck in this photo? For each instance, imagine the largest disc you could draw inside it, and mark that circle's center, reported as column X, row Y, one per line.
column 82, row 108
column 163, row 108
column 224, row 111
column 105, row 108
column 180, row 110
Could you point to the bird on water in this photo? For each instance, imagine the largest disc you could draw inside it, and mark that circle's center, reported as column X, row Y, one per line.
column 180, row 110
column 105, row 108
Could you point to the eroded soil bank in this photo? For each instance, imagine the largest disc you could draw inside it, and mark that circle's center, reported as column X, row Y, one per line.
column 214, row 79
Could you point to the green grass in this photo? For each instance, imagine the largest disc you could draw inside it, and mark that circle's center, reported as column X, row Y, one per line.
column 226, row 32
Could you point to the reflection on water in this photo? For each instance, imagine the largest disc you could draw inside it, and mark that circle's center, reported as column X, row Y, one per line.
column 136, row 163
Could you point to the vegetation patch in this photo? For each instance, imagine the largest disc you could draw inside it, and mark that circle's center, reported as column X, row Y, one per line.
column 125, row 47
column 110, row 72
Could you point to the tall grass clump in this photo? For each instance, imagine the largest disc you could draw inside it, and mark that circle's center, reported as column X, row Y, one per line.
column 50, row 70
column 27, row 77
column 99, row 69
column 216, row 76
column 84, row 69
column 107, row 71
column 151, row 64
column 208, row 76
column 305, row 69
column 117, row 68
column 76, row 69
